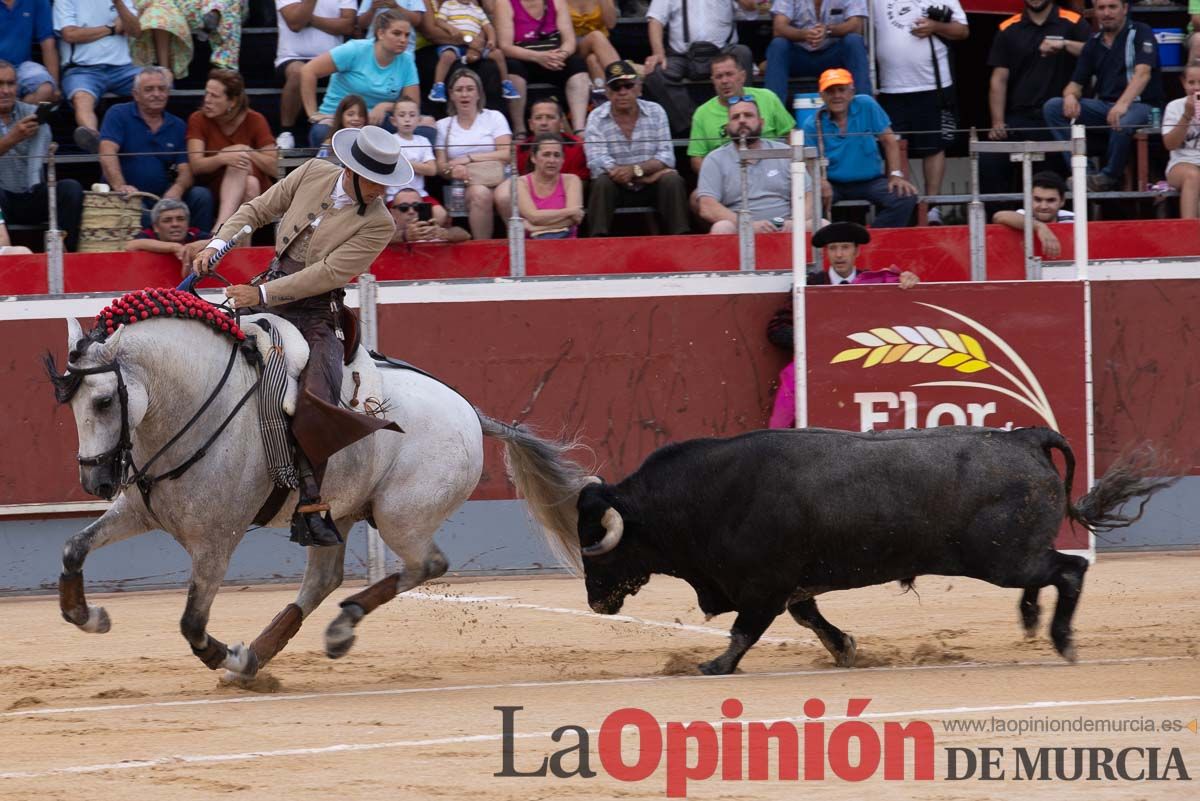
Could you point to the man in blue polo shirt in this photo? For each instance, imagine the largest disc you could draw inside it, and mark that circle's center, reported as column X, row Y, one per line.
column 145, row 128
column 22, row 22
column 1123, row 58
column 856, row 172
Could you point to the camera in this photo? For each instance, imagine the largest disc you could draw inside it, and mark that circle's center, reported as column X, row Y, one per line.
column 939, row 13
column 43, row 112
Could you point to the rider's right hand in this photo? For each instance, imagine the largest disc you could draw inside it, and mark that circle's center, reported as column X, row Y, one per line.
column 202, row 263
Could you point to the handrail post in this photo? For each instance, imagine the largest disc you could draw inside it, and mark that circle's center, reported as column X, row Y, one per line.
column 368, row 312
column 745, row 226
column 977, row 219
column 54, row 244
column 516, row 229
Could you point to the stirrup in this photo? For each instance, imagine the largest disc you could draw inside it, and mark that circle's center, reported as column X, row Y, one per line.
column 311, row 529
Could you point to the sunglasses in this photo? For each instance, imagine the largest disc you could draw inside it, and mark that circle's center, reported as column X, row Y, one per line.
column 622, row 86
column 410, row 206
column 743, row 99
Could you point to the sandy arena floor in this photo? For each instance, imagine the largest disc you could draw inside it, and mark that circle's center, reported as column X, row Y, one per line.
column 408, row 714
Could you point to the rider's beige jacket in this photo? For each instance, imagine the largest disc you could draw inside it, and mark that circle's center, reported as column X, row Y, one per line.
column 342, row 246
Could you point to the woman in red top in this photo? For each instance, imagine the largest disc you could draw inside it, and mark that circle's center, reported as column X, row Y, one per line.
column 230, row 148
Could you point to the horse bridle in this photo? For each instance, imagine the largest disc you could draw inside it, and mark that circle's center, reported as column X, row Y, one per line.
column 120, row 456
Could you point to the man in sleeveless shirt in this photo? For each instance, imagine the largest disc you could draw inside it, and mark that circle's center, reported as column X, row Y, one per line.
column 333, row 223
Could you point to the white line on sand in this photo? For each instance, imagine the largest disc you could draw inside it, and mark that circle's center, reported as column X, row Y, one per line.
column 337, row 748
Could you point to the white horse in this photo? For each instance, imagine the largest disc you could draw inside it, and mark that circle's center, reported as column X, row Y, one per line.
column 134, row 391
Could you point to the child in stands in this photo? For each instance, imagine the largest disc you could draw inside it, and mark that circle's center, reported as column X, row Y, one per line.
column 466, row 18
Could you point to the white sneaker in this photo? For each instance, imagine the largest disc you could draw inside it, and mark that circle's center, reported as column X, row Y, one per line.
column 935, row 216
column 286, row 141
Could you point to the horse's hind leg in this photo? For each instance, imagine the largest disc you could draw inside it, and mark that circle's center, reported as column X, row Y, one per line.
column 118, row 523
column 322, row 575
column 208, row 570
column 423, row 561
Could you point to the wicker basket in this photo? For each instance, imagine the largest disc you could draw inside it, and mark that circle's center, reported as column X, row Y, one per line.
column 110, row 220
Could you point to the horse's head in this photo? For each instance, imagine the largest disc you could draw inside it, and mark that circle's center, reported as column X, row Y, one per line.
column 108, row 403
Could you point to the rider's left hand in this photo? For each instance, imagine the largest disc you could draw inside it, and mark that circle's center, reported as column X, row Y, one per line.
column 243, row 295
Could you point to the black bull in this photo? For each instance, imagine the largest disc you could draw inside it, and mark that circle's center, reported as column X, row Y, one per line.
column 770, row 519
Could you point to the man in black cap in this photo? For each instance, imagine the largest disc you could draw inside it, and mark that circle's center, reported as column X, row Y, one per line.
column 629, row 154
column 842, row 241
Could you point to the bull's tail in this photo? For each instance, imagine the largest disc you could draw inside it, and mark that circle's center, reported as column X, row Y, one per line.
column 549, row 482
column 1138, row 473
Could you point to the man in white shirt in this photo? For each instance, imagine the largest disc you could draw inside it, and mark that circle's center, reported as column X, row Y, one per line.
column 1049, row 194
column 916, row 87
column 696, row 31
column 307, row 28
column 94, row 53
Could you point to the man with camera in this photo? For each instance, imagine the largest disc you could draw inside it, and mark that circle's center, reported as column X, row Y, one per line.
column 24, row 141
column 697, row 30
column 916, row 86
column 414, row 221
column 811, row 37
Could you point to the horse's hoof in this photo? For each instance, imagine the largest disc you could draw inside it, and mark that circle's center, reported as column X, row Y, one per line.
column 97, row 621
column 241, row 662
column 339, row 637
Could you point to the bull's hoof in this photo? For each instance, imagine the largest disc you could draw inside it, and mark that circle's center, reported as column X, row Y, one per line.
column 1067, row 652
column 849, row 653
column 339, row 637
column 1031, row 632
column 241, row 663
column 97, row 621
column 715, row 667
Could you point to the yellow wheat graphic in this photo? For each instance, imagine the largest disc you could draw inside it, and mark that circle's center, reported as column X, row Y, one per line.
column 957, row 351
column 921, row 344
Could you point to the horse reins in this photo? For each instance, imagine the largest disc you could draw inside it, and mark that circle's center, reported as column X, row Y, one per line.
column 121, row 454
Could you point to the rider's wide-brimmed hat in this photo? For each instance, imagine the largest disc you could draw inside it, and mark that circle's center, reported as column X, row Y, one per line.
column 374, row 154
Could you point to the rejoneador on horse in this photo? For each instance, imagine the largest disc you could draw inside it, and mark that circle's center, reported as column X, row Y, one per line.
column 134, row 384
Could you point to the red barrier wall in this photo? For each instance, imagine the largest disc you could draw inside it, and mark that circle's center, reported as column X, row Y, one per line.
column 935, row 253
column 632, row 373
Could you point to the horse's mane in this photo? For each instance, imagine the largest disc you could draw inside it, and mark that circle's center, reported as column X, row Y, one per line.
column 134, row 307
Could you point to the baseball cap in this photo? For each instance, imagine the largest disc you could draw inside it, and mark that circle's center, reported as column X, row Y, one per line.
column 620, row 71
column 834, row 77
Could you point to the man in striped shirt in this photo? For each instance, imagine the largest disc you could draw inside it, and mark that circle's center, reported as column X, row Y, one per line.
column 629, row 155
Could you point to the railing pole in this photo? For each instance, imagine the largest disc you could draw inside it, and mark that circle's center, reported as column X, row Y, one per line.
column 368, row 300
column 745, row 227
column 516, row 229
column 53, row 240
column 977, row 220
column 799, row 278
column 1033, row 268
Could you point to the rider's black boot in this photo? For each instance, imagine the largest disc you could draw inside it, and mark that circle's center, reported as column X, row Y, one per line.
column 309, row 527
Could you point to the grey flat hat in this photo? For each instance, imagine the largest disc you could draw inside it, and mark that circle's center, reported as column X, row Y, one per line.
column 374, row 154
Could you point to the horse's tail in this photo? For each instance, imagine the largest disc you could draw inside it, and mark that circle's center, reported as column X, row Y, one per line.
column 549, row 482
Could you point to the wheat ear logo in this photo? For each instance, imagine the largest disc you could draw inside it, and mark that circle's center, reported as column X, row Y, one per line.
column 952, row 350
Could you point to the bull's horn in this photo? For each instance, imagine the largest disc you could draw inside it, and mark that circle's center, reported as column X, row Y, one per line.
column 614, row 527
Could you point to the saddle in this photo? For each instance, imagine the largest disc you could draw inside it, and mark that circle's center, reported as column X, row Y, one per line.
column 323, row 429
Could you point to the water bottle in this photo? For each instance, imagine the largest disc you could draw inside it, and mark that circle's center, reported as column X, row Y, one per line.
column 456, row 198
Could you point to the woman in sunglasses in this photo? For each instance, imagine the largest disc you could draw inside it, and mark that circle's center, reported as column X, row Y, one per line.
column 551, row 202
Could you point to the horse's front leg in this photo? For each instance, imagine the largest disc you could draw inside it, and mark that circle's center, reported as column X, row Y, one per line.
column 120, row 522
column 208, row 571
column 322, row 575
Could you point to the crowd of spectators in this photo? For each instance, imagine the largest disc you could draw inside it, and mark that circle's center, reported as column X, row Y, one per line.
column 453, row 79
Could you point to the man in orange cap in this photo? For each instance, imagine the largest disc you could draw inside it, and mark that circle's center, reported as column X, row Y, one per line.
column 845, row 131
